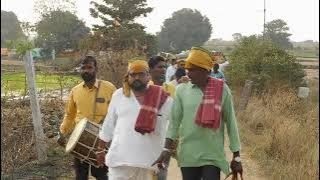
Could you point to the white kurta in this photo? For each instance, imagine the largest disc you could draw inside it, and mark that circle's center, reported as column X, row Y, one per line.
column 128, row 147
column 171, row 70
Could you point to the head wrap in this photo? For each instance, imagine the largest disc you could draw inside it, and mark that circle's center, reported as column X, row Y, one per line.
column 134, row 66
column 200, row 57
column 137, row 66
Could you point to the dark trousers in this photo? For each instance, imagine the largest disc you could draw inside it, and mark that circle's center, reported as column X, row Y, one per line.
column 208, row 172
column 162, row 174
column 82, row 171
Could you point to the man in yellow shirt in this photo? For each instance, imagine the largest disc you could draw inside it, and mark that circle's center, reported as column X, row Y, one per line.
column 89, row 99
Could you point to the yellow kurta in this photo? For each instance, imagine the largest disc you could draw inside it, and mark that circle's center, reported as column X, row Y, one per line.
column 81, row 104
column 167, row 87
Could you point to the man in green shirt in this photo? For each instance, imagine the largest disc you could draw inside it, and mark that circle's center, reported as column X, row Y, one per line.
column 202, row 109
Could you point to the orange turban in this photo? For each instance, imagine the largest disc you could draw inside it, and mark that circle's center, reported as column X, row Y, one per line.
column 135, row 66
column 200, row 57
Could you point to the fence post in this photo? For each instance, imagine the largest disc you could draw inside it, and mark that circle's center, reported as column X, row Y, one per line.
column 25, row 85
column 2, row 122
column 36, row 114
column 245, row 95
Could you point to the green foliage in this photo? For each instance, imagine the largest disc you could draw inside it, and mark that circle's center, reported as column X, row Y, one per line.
column 10, row 27
column 264, row 63
column 60, row 30
column 186, row 28
column 277, row 32
column 119, row 30
column 21, row 46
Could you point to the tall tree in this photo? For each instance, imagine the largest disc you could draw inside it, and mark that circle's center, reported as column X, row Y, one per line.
column 184, row 29
column 277, row 32
column 44, row 7
column 120, row 31
column 60, row 30
column 10, row 27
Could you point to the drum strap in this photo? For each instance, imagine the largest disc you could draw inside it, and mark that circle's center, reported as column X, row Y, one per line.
column 95, row 100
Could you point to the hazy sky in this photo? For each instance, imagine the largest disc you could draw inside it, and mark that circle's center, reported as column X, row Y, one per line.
column 226, row 16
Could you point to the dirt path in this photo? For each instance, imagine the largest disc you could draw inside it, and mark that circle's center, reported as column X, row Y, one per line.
column 60, row 167
column 251, row 168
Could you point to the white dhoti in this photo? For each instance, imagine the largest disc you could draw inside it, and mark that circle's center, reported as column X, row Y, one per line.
column 130, row 173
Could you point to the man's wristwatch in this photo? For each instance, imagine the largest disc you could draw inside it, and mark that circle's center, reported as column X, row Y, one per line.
column 237, row 159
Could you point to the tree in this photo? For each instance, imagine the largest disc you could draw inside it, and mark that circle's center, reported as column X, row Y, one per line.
column 183, row 30
column 119, row 30
column 44, row 7
column 60, row 30
column 277, row 32
column 264, row 63
column 10, row 27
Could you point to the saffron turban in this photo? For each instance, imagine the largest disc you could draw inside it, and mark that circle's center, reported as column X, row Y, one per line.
column 200, row 57
column 135, row 66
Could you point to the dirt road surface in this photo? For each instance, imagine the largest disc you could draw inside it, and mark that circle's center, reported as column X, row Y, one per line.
column 250, row 168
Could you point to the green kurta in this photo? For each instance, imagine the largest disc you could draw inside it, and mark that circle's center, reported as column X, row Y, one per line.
column 200, row 146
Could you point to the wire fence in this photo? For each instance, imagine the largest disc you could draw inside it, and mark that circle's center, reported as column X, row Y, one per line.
column 49, row 84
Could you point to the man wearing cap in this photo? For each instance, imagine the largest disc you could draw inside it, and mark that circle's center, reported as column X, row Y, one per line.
column 135, row 126
column 199, row 121
column 181, row 63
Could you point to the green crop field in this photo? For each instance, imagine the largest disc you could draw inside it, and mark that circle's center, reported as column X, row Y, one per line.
column 17, row 81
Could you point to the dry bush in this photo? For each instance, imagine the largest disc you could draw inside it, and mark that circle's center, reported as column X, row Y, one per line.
column 288, row 146
column 112, row 66
column 18, row 141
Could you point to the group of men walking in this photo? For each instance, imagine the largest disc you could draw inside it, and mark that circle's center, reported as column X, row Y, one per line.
column 153, row 117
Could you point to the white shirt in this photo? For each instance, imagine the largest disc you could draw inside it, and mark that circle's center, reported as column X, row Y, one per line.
column 171, row 70
column 128, row 147
column 223, row 66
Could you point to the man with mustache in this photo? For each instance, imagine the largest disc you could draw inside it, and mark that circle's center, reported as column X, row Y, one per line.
column 157, row 65
column 89, row 99
column 135, row 126
column 201, row 111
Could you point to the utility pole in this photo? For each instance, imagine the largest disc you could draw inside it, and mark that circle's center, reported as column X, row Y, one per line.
column 264, row 18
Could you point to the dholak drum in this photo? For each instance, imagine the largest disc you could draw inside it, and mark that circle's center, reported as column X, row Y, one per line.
column 83, row 141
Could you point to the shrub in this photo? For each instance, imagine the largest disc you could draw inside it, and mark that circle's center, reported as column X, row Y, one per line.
column 264, row 63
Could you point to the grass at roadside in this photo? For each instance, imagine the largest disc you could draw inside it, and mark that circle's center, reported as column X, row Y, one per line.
column 286, row 145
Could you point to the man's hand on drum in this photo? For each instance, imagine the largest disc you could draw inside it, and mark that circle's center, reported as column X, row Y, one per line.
column 100, row 155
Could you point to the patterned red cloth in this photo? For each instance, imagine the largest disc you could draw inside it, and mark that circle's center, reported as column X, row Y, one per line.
column 153, row 100
column 209, row 111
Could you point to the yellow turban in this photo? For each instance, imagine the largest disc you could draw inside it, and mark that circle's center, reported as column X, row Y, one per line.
column 200, row 57
column 135, row 66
